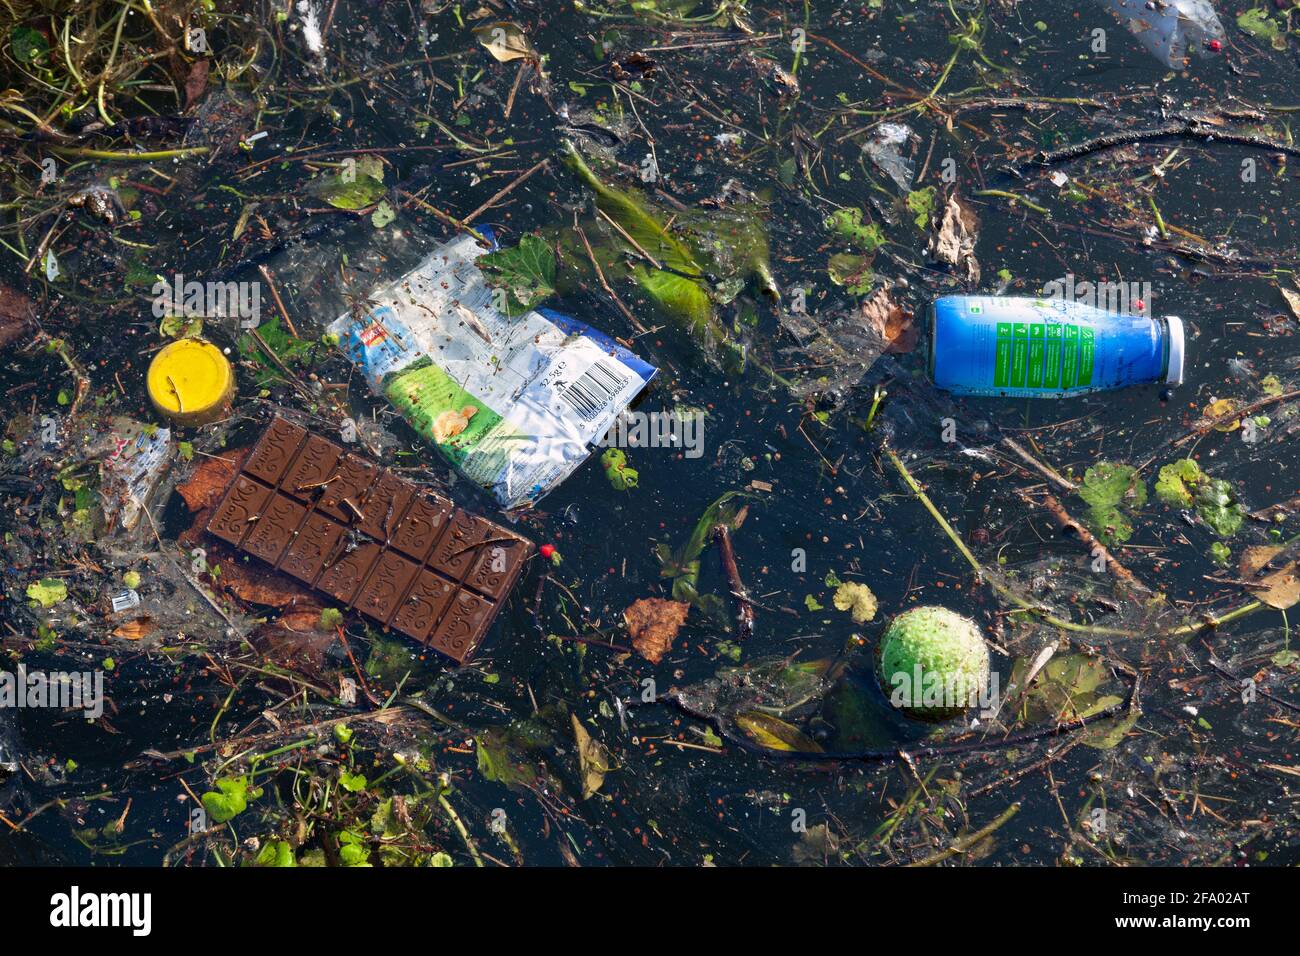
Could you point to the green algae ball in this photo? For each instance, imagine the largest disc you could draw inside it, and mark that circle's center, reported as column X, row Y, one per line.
column 932, row 663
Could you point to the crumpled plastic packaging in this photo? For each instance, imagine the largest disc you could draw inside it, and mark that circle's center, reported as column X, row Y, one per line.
column 885, row 150
column 1173, row 29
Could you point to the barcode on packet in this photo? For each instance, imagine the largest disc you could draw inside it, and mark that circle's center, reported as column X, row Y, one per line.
column 592, row 391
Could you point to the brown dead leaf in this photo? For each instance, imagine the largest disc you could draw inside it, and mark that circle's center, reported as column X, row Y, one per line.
column 137, row 629
column 505, row 41
column 15, row 315
column 1281, row 589
column 653, row 624
column 196, row 82
column 954, row 243
column 1255, row 557
column 890, row 321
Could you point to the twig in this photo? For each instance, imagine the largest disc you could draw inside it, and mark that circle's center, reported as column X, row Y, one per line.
column 600, row 276
column 1204, row 426
column 962, row 844
column 745, row 609
column 1095, row 548
column 279, row 303
column 1051, row 474
column 505, row 192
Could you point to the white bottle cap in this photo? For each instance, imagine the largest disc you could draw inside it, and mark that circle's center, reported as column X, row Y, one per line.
column 1176, row 350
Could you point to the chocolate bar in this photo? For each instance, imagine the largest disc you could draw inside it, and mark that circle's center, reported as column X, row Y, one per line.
column 405, row 557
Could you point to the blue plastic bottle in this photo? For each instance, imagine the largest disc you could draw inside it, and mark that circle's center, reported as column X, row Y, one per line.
column 1047, row 348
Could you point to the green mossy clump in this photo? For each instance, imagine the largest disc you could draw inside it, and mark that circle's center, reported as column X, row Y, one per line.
column 932, row 663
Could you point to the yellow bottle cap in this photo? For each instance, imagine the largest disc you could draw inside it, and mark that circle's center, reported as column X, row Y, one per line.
column 190, row 382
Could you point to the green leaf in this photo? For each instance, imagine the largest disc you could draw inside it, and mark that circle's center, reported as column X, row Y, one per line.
column 812, row 604
column 1257, row 23
column 383, row 214
column 352, row 782
column 358, row 185
column 1172, row 485
column 526, row 272
column 27, row 45
column 921, row 204
column 1112, row 492
column 848, row 223
column 47, row 592
column 276, row 853
column 677, row 288
column 851, row 271
column 1182, row 484
column 1217, row 504
column 229, row 800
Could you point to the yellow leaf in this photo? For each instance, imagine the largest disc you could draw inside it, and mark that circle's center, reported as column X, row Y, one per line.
column 858, row 598
column 775, row 734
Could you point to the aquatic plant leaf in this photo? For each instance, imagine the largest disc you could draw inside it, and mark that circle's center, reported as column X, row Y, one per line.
column 1067, row 687
column 27, row 45
column 1112, row 492
column 653, row 624
column 774, row 733
column 848, row 223
column 1259, row 24
column 674, row 288
column 358, row 185
column 526, row 272
column 501, row 758
column 229, row 800
column 855, row 597
column 47, row 592
column 276, row 853
column 1109, row 734
column 1172, row 485
column 851, row 271
column 921, row 203
column 593, row 759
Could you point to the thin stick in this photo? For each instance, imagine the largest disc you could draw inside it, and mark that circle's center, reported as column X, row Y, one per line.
column 505, row 192
column 1046, row 471
column 279, row 303
column 1095, row 548
column 623, row 232
column 962, row 844
column 600, row 275
column 745, row 608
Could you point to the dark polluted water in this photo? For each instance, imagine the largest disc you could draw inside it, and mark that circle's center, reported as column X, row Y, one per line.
column 778, row 192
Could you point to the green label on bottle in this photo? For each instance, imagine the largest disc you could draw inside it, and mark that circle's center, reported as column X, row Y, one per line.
column 1052, row 361
column 1070, row 368
column 1020, row 355
column 1002, row 365
column 1036, row 351
column 1086, row 342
